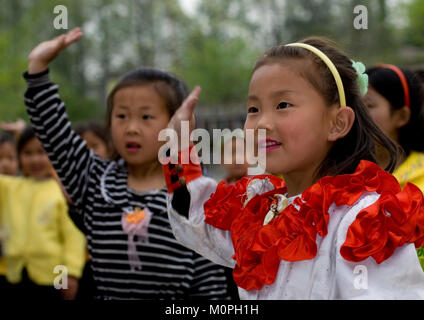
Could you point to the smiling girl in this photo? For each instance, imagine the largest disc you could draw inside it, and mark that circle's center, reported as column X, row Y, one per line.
column 134, row 254
column 335, row 213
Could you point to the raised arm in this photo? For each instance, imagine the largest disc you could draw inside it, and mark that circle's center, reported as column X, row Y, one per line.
column 188, row 190
column 66, row 150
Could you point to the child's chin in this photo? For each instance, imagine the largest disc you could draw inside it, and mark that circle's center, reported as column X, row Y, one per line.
column 132, row 161
column 275, row 169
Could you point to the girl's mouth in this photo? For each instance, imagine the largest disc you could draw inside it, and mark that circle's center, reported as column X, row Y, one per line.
column 269, row 144
column 132, row 146
column 37, row 169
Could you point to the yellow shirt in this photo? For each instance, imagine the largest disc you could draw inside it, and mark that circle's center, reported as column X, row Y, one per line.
column 412, row 170
column 39, row 233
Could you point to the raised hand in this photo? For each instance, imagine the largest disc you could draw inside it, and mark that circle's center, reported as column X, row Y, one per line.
column 15, row 127
column 46, row 51
column 185, row 113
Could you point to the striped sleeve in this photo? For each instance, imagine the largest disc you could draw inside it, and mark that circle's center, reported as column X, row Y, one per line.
column 67, row 150
column 210, row 281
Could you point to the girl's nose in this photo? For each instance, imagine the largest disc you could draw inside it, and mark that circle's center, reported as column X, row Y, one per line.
column 132, row 127
column 266, row 121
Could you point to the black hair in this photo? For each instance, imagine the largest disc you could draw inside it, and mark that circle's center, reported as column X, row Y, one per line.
column 6, row 137
column 420, row 74
column 167, row 85
column 364, row 139
column 27, row 134
column 387, row 83
column 93, row 127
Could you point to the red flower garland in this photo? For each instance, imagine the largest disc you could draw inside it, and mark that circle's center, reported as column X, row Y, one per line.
column 395, row 219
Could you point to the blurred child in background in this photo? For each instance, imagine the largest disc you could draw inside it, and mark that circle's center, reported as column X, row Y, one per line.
column 395, row 102
column 8, row 155
column 39, row 234
column 96, row 138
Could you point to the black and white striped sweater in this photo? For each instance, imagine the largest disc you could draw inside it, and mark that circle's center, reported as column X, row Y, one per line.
column 99, row 189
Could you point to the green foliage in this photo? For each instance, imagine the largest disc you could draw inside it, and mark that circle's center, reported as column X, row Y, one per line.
column 216, row 47
column 416, row 26
column 221, row 68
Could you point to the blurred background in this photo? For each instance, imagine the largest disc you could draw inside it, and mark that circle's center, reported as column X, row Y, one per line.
column 210, row 43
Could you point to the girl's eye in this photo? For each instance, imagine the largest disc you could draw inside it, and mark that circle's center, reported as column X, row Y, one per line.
column 121, row 116
column 283, row 105
column 369, row 105
column 147, row 117
column 252, row 110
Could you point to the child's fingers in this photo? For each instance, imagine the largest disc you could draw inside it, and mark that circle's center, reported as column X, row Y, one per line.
column 191, row 101
column 72, row 36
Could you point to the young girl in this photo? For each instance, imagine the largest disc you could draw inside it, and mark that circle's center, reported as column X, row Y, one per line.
column 339, row 226
column 133, row 252
column 395, row 102
column 39, row 234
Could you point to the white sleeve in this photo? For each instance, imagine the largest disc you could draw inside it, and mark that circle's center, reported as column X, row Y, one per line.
column 210, row 242
column 398, row 277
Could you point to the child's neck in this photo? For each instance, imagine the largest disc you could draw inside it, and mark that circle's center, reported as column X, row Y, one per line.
column 297, row 183
column 145, row 177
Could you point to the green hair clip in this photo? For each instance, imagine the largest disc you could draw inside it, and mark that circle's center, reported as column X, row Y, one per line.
column 362, row 79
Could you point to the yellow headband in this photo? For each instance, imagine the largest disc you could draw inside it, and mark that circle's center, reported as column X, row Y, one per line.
column 330, row 66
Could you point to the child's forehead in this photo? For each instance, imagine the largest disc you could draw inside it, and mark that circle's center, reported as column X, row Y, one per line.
column 136, row 90
column 7, row 148
column 32, row 142
column 142, row 96
column 281, row 76
column 7, row 144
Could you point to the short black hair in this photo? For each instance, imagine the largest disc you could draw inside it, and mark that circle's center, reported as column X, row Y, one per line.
column 6, row 137
column 27, row 134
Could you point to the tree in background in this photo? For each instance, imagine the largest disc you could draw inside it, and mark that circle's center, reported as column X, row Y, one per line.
column 214, row 47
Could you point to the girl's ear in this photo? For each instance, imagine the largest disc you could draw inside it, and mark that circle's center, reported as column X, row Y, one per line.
column 342, row 123
column 401, row 117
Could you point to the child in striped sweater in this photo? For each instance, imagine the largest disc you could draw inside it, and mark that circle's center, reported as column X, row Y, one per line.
column 122, row 201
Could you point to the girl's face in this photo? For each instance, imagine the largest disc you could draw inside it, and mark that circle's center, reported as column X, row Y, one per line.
column 8, row 159
column 95, row 143
column 139, row 114
column 34, row 160
column 295, row 116
column 380, row 111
